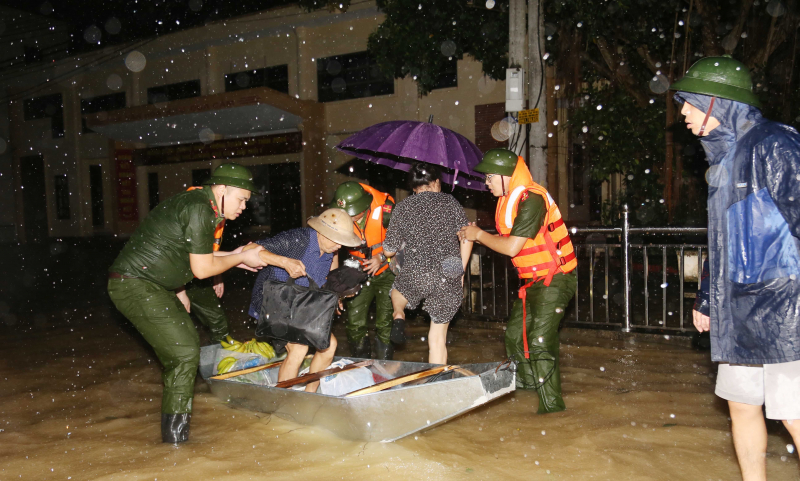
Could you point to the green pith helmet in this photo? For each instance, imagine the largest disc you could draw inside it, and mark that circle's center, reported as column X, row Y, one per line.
column 351, row 197
column 234, row 175
column 721, row 77
column 498, row 161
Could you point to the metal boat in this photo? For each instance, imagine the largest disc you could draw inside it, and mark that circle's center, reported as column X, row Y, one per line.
column 383, row 416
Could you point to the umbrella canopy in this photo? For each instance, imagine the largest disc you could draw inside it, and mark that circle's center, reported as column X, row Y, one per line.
column 398, row 143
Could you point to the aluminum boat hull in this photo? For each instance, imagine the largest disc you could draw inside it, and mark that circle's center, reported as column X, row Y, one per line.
column 382, row 416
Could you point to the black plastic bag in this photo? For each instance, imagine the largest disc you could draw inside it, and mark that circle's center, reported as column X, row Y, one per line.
column 345, row 281
column 298, row 314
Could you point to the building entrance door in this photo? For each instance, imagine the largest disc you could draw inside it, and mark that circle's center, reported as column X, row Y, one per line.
column 34, row 198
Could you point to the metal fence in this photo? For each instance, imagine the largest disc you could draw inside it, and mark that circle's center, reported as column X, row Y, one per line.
column 642, row 286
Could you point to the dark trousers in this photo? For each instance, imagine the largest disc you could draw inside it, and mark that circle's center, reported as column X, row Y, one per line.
column 545, row 306
column 376, row 288
column 208, row 307
column 164, row 323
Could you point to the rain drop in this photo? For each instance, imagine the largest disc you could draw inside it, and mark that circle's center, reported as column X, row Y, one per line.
column 114, row 82
column 113, row 25
column 135, row 61
column 490, row 4
column 92, row 34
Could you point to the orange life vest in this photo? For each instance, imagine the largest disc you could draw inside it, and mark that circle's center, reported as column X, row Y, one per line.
column 551, row 251
column 218, row 230
column 374, row 232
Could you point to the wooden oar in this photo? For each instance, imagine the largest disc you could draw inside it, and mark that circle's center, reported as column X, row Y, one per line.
column 242, row 372
column 316, row 376
column 381, row 386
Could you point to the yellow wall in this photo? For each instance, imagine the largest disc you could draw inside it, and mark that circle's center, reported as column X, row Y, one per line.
column 285, row 35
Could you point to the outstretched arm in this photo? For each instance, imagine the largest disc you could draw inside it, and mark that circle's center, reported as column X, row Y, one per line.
column 207, row 265
column 509, row 246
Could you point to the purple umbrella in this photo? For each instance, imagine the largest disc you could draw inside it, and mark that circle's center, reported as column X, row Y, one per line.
column 399, row 143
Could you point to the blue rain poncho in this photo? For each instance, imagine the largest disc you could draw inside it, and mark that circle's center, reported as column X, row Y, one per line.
column 753, row 234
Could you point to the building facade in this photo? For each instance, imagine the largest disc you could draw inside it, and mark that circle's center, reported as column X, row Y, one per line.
column 96, row 141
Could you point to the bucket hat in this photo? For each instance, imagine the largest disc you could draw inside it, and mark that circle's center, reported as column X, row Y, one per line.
column 336, row 225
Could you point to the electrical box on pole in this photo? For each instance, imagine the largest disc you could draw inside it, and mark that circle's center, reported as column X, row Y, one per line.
column 515, row 89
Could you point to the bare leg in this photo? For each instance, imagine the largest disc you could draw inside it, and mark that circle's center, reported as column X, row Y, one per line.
column 750, row 439
column 321, row 361
column 399, row 303
column 294, row 358
column 437, row 343
column 793, row 426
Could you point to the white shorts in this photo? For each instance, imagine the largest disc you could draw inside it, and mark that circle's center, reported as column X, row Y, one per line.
column 777, row 386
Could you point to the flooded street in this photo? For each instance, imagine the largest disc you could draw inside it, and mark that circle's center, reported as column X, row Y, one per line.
column 81, row 394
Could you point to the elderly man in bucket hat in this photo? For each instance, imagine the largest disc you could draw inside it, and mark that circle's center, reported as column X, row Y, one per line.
column 303, row 253
column 171, row 246
column 752, row 309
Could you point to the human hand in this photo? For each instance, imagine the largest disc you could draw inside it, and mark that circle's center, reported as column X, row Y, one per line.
column 252, row 260
column 469, row 233
column 250, row 245
column 184, row 298
column 294, row 267
column 219, row 286
column 341, row 307
column 371, row 266
column 701, row 321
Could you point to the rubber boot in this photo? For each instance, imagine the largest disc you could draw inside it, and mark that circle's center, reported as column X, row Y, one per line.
column 383, row 351
column 361, row 348
column 398, row 335
column 175, row 427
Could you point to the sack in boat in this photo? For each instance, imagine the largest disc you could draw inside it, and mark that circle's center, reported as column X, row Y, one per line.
column 293, row 313
column 345, row 382
column 244, row 361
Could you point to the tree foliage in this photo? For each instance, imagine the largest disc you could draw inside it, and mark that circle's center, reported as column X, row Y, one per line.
column 418, row 39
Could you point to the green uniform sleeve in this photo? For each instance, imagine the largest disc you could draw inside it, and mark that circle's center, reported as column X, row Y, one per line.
column 200, row 225
column 530, row 216
column 387, row 212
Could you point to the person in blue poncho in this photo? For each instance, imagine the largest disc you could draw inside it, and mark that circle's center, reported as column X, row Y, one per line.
column 751, row 303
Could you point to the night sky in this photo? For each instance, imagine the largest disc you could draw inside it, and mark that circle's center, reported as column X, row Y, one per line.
column 119, row 21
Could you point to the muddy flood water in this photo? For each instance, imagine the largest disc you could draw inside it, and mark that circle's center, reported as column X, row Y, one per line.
column 80, row 395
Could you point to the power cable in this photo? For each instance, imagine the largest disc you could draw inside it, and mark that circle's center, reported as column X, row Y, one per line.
column 89, row 65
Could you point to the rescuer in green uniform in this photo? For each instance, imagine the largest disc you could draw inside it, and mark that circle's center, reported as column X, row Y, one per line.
column 171, row 246
column 371, row 211
column 531, row 231
column 201, row 297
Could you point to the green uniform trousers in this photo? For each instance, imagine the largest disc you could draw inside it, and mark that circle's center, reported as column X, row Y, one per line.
column 377, row 288
column 164, row 323
column 208, row 307
column 545, row 306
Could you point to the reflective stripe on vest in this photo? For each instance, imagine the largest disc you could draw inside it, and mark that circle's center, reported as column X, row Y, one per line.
column 547, row 254
column 374, row 231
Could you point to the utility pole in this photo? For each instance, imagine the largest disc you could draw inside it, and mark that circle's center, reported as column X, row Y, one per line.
column 537, row 93
column 517, row 41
